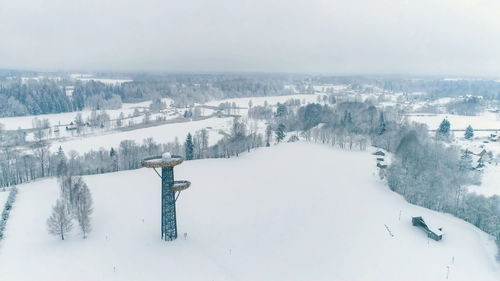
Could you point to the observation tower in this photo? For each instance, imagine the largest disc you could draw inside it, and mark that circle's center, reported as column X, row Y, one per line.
column 170, row 191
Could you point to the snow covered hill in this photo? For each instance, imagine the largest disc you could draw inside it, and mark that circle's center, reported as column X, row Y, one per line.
column 291, row 212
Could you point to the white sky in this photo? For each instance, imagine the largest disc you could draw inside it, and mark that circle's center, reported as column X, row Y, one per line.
column 451, row 37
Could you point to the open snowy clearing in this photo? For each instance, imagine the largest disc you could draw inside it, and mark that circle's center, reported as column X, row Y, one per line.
column 459, row 122
column 271, row 100
column 108, row 81
column 26, row 122
column 90, row 77
column 162, row 134
column 268, row 215
column 490, row 183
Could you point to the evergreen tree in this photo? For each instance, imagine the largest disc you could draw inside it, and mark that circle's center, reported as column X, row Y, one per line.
column 443, row 131
column 282, row 110
column 280, row 133
column 114, row 159
column 62, row 163
column 311, row 115
column 189, row 147
column 469, row 132
column 381, row 124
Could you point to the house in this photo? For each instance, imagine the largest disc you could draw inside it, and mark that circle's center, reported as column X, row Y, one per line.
column 381, row 165
column 71, row 127
column 478, row 157
column 494, row 137
column 379, row 153
column 436, row 234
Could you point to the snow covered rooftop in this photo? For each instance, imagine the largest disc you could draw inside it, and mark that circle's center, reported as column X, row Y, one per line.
column 181, row 185
column 161, row 161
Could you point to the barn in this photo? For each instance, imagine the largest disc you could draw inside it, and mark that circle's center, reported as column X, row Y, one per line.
column 436, row 234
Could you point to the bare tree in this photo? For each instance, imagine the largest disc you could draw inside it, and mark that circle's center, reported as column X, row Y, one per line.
column 41, row 151
column 83, row 210
column 269, row 132
column 59, row 222
column 204, row 142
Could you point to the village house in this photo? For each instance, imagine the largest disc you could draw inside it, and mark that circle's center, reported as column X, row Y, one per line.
column 494, row 137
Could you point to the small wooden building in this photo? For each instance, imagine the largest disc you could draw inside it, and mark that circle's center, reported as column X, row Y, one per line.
column 436, row 234
column 381, row 165
column 379, row 153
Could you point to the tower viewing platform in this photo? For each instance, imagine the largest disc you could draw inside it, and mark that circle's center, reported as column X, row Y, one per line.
column 170, row 191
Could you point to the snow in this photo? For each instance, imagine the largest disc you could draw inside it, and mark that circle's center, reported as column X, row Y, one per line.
column 289, row 220
column 161, row 134
column 26, row 122
column 329, row 87
column 166, row 156
column 90, row 77
column 486, row 120
column 271, row 100
column 459, row 122
column 489, row 182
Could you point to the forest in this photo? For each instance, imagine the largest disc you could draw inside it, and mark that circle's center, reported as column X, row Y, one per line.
column 42, row 96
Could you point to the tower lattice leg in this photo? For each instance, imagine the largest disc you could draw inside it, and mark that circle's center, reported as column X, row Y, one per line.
column 168, row 214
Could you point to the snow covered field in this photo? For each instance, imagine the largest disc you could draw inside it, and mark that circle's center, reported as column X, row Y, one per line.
column 162, row 134
column 271, row 100
column 108, row 81
column 490, row 183
column 26, row 122
column 90, row 77
column 459, row 122
column 268, row 215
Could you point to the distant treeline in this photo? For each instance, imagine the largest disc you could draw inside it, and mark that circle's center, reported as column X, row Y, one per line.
column 42, row 96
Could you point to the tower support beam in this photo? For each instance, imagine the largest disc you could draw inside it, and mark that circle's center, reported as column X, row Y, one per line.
column 168, row 213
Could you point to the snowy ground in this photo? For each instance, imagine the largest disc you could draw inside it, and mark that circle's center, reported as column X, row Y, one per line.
column 90, row 77
column 268, row 215
column 490, row 181
column 108, row 81
column 162, row 134
column 271, row 100
column 459, row 122
column 26, row 122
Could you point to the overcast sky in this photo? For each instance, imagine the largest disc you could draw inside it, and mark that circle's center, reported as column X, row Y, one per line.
column 450, row 37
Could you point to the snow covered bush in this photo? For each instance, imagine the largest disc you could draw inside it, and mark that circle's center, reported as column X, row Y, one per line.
column 6, row 210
